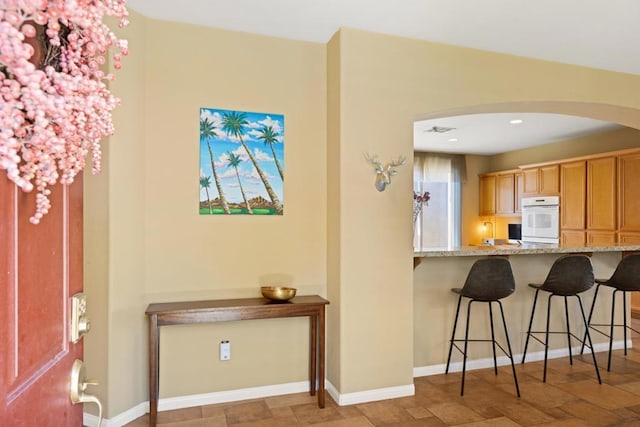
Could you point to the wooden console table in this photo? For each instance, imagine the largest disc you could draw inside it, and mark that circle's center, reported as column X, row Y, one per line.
column 189, row 312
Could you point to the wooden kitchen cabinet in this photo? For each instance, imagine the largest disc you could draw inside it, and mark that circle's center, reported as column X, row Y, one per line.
column 629, row 193
column 629, row 237
column 573, row 196
column 487, row 195
column 505, row 194
column 543, row 180
column 601, row 238
column 602, row 194
column 500, row 193
column 519, row 190
column 530, row 180
column 573, row 238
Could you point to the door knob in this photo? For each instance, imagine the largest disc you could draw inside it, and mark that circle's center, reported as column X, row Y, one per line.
column 78, row 386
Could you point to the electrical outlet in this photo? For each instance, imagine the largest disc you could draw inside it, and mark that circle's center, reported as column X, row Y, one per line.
column 225, row 350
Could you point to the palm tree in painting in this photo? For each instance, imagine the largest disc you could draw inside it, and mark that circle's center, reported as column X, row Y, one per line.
column 205, row 182
column 234, row 161
column 233, row 123
column 207, row 132
column 270, row 137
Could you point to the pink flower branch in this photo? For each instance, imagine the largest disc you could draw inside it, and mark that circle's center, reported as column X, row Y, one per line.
column 56, row 106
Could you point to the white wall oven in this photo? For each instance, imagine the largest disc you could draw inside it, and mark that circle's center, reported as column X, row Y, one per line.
column 541, row 219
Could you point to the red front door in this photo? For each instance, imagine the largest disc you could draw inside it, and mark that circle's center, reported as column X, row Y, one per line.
column 41, row 268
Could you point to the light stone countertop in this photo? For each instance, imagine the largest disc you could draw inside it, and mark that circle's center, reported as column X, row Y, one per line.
column 513, row 249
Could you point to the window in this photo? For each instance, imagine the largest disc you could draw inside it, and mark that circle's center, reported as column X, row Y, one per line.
column 438, row 223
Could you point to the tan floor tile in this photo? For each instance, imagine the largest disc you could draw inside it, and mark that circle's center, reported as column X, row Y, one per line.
column 348, row 422
column 494, row 422
column 545, row 395
column 602, row 395
column 271, row 422
column 419, row 412
column 453, row 413
column 350, row 411
column 247, row 412
column 632, row 387
column 290, row 400
column 591, row 415
column 312, row 414
column 523, row 413
column 185, row 414
column 422, row 422
column 201, row 422
column 569, row 422
column 384, row 412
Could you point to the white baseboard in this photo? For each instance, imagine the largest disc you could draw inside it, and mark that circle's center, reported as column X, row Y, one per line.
column 170, row 403
column 119, row 420
column 180, row 402
column 370, row 395
column 423, row 371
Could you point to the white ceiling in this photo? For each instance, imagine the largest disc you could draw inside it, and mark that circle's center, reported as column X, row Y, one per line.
column 592, row 33
column 488, row 134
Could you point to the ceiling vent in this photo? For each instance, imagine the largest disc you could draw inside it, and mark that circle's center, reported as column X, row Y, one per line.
column 439, row 129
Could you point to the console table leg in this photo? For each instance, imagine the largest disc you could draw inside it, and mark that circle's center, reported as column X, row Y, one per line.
column 321, row 339
column 313, row 349
column 154, row 366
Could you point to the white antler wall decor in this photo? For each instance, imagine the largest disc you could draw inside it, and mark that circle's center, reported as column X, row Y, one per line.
column 384, row 173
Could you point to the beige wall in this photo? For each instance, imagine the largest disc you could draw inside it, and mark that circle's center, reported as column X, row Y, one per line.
column 160, row 249
column 618, row 139
column 387, row 83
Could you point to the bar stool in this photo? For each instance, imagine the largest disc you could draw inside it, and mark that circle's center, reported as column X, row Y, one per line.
column 626, row 278
column 569, row 276
column 489, row 280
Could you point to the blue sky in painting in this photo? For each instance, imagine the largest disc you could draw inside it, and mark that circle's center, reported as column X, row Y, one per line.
column 223, row 144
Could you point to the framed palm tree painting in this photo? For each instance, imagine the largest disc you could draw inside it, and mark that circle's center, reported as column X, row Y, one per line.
column 241, row 163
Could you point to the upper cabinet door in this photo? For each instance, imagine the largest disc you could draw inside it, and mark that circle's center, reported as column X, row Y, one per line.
column 573, row 182
column 487, row 195
column 505, row 193
column 543, row 180
column 519, row 180
column 629, row 197
column 549, row 180
column 530, row 177
column 601, row 194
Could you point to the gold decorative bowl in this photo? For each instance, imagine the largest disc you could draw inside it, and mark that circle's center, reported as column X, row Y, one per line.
column 278, row 293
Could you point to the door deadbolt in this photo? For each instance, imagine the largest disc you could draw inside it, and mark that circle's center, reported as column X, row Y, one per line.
column 80, row 324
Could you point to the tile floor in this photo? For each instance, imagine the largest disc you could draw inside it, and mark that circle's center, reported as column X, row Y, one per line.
column 571, row 397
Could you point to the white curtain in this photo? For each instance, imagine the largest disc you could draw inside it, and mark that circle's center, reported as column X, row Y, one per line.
column 441, row 175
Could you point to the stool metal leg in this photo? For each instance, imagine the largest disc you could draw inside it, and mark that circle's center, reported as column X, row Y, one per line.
column 566, row 314
column 466, row 342
column 593, row 353
column 493, row 340
column 624, row 316
column 533, row 310
column 613, row 316
column 506, row 334
column 546, row 339
column 593, row 304
column 453, row 334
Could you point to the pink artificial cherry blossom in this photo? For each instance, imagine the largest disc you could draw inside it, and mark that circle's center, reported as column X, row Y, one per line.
column 53, row 114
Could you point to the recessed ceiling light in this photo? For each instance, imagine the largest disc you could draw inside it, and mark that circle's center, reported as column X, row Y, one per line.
column 515, row 121
column 452, row 139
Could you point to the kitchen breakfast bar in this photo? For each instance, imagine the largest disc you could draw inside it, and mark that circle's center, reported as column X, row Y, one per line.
column 438, row 270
